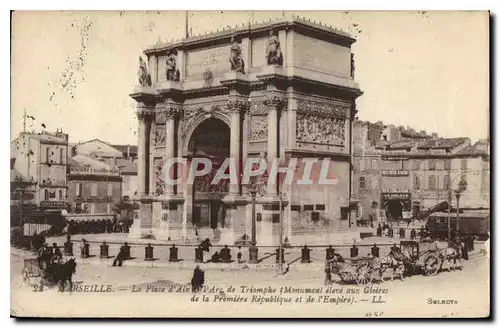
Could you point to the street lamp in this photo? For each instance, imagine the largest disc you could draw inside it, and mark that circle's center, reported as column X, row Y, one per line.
column 462, row 186
column 253, row 250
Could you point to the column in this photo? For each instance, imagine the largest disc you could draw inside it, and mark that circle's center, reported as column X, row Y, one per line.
column 273, row 104
column 236, row 108
column 171, row 116
column 144, row 115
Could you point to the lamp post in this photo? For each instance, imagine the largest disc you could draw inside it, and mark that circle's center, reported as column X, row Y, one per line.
column 253, row 250
column 462, row 186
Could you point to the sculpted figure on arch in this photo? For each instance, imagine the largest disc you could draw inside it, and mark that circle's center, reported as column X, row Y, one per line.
column 144, row 76
column 235, row 56
column 273, row 50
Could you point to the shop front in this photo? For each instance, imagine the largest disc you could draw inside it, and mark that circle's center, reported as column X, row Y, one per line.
column 397, row 205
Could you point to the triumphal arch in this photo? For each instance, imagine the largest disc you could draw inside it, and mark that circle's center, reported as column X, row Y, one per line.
column 280, row 90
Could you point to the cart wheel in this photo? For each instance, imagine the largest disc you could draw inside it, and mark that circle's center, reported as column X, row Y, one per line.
column 431, row 265
column 346, row 276
column 364, row 274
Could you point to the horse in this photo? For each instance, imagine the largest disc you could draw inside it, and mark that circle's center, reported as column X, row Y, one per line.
column 61, row 273
column 454, row 252
column 396, row 260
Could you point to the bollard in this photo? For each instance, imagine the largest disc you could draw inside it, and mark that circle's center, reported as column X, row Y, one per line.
column 225, row 254
column 354, row 251
column 174, row 254
column 253, row 254
column 390, row 233
column 413, row 233
column 282, row 255
column 68, row 248
column 306, row 255
column 401, row 233
column 85, row 251
column 375, row 251
column 330, row 253
column 104, row 253
column 198, row 255
column 148, row 253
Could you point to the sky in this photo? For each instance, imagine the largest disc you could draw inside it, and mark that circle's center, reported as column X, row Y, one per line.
column 75, row 70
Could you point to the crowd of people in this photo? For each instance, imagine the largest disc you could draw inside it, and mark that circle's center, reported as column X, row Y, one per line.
column 99, row 226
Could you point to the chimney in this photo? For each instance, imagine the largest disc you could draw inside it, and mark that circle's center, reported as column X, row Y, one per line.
column 128, row 151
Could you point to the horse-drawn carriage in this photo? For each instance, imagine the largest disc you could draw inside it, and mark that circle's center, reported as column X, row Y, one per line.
column 48, row 272
column 409, row 258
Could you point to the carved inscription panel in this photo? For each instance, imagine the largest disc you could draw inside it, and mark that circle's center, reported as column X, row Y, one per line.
column 214, row 59
column 259, row 52
column 322, row 56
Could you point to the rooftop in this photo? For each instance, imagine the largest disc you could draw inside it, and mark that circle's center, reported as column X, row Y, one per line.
column 246, row 28
column 442, row 143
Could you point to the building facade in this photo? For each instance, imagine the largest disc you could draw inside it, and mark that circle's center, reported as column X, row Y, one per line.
column 287, row 91
column 93, row 187
column 42, row 158
column 416, row 171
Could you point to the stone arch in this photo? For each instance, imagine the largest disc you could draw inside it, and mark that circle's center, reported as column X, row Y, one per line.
column 196, row 121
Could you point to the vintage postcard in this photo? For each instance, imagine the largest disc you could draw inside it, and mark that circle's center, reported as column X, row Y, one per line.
column 229, row 164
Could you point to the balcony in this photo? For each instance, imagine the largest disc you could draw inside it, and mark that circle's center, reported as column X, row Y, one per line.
column 94, row 199
column 101, row 172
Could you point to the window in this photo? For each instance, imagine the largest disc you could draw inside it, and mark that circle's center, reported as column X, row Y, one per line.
column 447, row 164
column 46, row 195
column 463, row 165
column 446, row 182
column 78, row 189
column 416, row 182
column 47, row 155
column 61, row 155
column 432, row 182
column 374, row 182
column 93, row 190
column 61, row 195
column 258, row 217
column 432, row 165
column 362, row 183
column 416, row 164
column 110, row 189
column 374, row 164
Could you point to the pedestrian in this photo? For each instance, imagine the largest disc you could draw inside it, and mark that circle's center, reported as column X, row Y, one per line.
column 56, row 253
column 122, row 255
column 205, row 246
column 198, row 279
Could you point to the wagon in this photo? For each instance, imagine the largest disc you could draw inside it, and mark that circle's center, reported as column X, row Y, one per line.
column 352, row 270
column 31, row 270
column 423, row 256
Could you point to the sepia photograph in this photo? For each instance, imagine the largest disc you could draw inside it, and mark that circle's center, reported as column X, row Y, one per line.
column 250, row 164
